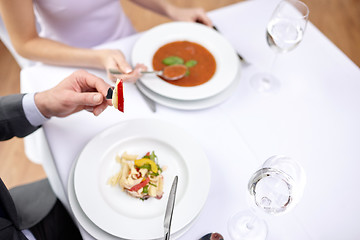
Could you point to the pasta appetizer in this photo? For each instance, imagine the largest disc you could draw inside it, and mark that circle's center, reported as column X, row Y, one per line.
column 139, row 177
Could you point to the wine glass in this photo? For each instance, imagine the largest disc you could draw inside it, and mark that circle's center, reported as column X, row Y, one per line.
column 273, row 189
column 284, row 32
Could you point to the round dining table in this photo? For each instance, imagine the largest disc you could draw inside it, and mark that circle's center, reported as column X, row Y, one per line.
column 314, row 117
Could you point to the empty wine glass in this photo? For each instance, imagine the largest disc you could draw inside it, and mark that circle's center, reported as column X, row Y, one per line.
column 284, row 32
column 273, row 189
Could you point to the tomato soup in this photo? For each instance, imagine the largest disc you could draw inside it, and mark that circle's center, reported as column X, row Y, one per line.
column 198, row 73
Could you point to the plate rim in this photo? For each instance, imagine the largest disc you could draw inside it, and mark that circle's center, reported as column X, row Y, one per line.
column 91, row 227
column 177, row 224
column 193, row 104
column 213, row 86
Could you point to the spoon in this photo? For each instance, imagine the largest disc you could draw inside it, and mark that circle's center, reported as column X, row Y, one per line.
column 171, row 73
column 212, row 236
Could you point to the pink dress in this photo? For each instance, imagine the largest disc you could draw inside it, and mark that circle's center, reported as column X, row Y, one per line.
column 82, row 23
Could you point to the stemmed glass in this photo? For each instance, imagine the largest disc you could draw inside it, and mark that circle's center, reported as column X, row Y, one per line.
column 273, row 189
column 284, row 32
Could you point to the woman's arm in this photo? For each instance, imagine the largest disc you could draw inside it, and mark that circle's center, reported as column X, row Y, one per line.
column 175, row 13
column 19, row 19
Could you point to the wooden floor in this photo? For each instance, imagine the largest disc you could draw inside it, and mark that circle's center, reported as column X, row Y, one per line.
column 339, row 20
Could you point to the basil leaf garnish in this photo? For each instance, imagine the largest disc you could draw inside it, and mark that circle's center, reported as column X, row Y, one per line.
column 191, row 63
column 172, row 60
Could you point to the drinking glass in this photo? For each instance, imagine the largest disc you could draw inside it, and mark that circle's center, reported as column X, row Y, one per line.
column 284, row 32
column 273, row 189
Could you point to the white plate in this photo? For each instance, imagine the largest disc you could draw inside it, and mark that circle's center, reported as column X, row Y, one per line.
column 89, row 226
column 192, row 104
column 224, row 54
column 123, row 216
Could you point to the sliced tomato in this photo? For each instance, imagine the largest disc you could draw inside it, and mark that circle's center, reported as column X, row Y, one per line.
column 120, row 93
column 140, row 185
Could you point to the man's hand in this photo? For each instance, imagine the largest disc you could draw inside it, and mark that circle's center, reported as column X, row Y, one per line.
column 81, row 90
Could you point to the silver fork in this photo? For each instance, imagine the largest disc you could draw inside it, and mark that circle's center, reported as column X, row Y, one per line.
column 151, row 103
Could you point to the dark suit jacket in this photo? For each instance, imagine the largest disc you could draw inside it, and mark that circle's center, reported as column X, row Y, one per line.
column 12, row 118
column 9, row 227
column 26, row 205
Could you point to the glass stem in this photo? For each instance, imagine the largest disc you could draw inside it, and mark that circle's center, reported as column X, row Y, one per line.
column 272, row 65
column 267, row 80
column 250, row 223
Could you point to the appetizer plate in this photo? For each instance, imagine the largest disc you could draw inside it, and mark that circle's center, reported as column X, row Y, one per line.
column 93, row 229
column 127, row 217
column 192, row 104
column 224, row 54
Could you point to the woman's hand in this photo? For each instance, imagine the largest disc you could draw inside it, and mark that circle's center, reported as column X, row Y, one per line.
column 132, row 76
column 113, row 59
column 190, row 15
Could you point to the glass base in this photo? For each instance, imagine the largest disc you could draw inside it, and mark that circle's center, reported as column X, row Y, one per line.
column 264, row 82
column 246, row 225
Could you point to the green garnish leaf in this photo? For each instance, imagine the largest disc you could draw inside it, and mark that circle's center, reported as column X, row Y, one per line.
column 159, row 168
column 147, row 166
column 153, row 156
column 153, row 174
column 152, row 184
column 146, row 189
column 172, row 60
column 191, row 63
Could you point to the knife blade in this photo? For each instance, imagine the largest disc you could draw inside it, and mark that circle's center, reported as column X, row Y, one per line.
column 170, row 209
column 149, row 101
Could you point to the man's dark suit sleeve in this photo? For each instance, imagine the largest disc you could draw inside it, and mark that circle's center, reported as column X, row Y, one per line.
column 13, row 121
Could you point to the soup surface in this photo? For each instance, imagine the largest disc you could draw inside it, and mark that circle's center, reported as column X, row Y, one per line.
column 201, row 63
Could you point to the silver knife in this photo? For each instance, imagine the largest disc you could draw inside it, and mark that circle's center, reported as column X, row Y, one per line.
column 170, row 209
column 149, row 102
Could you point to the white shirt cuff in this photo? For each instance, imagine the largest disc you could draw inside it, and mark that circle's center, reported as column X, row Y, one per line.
column 32, row 113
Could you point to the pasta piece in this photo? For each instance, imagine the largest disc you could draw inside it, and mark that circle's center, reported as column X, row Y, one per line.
column 127, row 156
column 139, row 177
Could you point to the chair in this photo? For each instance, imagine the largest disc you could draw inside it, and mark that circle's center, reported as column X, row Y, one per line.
column 26, row 199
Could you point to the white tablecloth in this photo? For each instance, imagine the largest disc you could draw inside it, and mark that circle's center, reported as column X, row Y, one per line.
column 314, row 118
